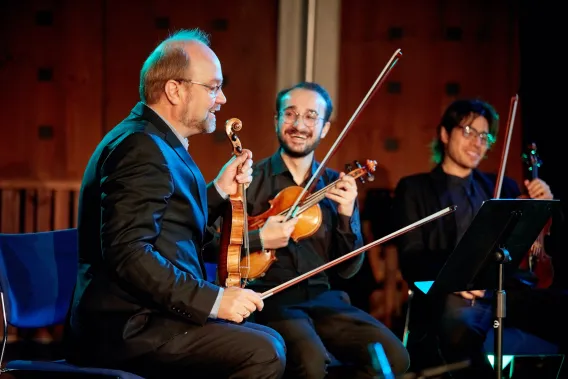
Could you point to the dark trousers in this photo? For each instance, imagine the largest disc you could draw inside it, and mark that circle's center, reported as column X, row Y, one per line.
column 458, row 330
column 216, row 350
column 328, row 323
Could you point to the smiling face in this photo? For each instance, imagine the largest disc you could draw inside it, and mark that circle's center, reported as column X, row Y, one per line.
column 298, row 107
column 465, row 147
column 201, row 101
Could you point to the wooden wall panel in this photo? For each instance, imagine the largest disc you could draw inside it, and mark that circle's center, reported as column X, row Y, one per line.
column 125, row 48
column 18, row 73
column 243, row 35
column 96, row 50
column 396, row 129
column 94, row 55
column 51, row 76
column 82, row 81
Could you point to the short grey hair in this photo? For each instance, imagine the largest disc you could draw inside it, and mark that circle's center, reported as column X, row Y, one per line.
column 169, row 60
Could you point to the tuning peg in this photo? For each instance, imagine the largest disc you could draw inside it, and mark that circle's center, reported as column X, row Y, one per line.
column 361, row 178
column 370, row 176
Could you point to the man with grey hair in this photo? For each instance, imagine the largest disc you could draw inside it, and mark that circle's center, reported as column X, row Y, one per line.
column 142, row 302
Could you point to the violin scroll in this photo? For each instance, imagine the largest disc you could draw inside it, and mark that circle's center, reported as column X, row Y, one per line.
column 532, row 160
column 370, row 167
column 360, row 171
column 232, row 126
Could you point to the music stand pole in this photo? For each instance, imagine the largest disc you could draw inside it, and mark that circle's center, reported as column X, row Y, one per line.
column 502, row 256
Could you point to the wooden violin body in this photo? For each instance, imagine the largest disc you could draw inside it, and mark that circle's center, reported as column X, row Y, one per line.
column 309, row 222
column 309, row 219
column 229, row 270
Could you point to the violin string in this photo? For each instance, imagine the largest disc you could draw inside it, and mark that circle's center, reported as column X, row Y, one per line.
column 309, row 199
column 308, row 203
column 245, row 235
column 316, row 197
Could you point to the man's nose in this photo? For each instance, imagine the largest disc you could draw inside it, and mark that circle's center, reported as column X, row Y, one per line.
column 478, row 140
column 300, row 123
column 221, row 99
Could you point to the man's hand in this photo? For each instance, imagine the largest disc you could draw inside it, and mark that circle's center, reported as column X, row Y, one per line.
column 538, row 189
column 471, row 295
column 344, row 194
column 230, row 176
column 238, row 303
column 275, row 233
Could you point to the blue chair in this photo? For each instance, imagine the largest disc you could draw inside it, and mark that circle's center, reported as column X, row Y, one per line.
column 38, row 272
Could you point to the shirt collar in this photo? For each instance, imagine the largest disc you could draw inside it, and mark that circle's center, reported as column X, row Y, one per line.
column 184, row 141
column 279, row 167
column 456, row 181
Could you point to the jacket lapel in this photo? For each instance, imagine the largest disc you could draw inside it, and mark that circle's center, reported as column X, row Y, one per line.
column 172, row 139
column 199, row 186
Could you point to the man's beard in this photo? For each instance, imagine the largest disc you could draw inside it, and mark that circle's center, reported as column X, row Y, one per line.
column 297, row 154
column 203, row 126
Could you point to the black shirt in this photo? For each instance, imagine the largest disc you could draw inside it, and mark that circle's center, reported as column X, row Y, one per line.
column 337, row 235
column 468, row 195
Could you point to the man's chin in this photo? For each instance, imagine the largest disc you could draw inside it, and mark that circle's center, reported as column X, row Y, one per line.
column 296, row 153
column 208, row 127
column 474, row 164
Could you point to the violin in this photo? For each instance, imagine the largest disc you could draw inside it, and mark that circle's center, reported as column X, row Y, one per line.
column 234, row 230
column 537, row 261
column 309, row 218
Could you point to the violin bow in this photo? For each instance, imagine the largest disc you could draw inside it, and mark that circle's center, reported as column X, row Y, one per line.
column 374, row 88
column 505, row 152
column 360, row 250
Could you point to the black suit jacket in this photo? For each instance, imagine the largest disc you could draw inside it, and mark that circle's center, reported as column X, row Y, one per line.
column 423, row 251
column 143, row 210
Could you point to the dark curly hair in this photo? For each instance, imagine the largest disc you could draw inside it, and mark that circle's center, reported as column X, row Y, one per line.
column 455, row 114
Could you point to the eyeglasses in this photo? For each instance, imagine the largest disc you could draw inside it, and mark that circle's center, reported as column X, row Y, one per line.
column 470, row 132
column 290, row 116
column 213, row 90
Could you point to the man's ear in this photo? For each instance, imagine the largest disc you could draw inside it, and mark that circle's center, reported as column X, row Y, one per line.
column 325, row 129
column 444, row 136
column 171, row 90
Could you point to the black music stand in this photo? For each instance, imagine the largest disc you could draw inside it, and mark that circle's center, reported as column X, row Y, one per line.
column 502, row 231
